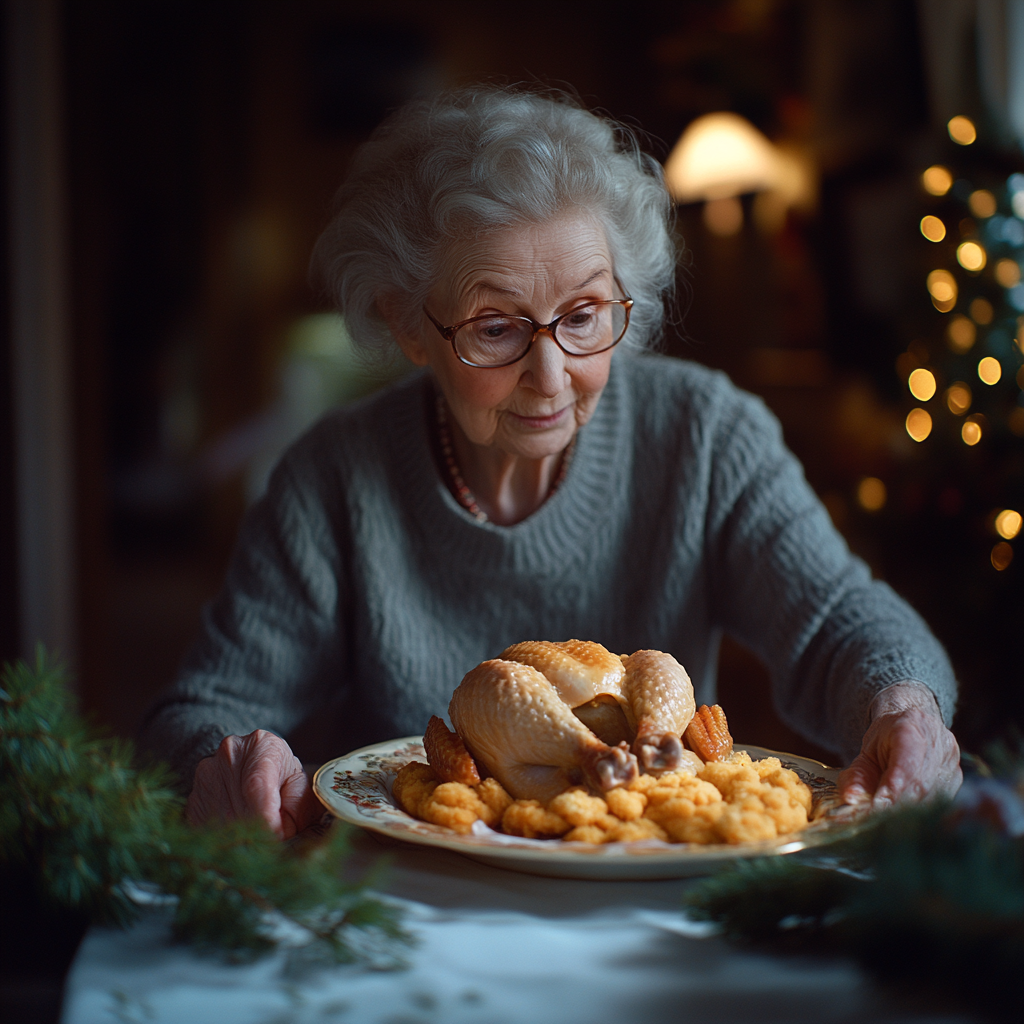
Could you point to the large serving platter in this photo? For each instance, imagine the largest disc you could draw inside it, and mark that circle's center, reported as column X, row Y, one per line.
column 357, row 789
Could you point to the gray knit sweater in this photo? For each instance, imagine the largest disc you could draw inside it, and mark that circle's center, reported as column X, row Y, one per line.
column 359, row 583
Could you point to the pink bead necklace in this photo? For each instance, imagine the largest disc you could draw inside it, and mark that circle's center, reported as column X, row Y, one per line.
column 463, row 494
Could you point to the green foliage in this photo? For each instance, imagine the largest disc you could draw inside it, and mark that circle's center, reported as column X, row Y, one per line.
column 95, row 831
column 929, row 894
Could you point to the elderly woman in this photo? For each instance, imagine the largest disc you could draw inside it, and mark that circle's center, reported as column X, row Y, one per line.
column 541, row 477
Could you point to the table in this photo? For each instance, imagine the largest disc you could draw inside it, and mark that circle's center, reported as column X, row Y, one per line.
column 495, row 947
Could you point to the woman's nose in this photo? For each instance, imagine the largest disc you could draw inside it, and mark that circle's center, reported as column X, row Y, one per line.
column 546, row 371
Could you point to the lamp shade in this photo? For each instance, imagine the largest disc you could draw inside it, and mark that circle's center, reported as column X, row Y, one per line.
column 720, row 155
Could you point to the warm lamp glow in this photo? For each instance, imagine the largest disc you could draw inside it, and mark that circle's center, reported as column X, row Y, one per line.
column 971, row 256
column 932, row 228
column 961, row 334
column 922, row 384
column 723, row 217
column 919, row 424
column 937, row 180
column 871, row 494
column 1008, row 523
column 990, row 370
column 982, row 203
column 961, row 130
column 719, row 156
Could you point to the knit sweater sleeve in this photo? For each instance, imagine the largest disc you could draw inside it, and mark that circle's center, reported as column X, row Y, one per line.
column 786, row 585
column 270, row 642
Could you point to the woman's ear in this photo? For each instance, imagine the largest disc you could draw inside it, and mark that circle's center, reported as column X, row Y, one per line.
column 410, row 343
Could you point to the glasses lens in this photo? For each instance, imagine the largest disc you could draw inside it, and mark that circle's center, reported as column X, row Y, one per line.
column 494, row 341
column 593, row 327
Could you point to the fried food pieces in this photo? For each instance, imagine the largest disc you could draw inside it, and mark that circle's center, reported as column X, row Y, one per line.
column 708, row 733
column 447, row 754
column 420, row 792
column 736, row 800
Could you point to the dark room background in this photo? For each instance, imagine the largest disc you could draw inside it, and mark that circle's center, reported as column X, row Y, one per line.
column 202, row 142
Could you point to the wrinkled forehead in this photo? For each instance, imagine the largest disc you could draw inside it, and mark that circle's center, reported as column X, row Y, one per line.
column 520, row 261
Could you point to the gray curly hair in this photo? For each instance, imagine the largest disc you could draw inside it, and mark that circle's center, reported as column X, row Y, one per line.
column 483, row 158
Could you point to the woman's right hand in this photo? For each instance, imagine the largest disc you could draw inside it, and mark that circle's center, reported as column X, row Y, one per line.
column 254, row 776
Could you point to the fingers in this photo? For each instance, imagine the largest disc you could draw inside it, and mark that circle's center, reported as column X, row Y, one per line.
column 250, row 776
column 300, row 807
column 858, row 783
column 906, row 755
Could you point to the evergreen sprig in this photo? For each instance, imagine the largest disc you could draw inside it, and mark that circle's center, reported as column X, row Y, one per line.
column 95, row 831
column 929, row 895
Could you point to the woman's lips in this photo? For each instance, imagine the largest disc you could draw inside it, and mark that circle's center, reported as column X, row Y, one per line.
column 540, row 422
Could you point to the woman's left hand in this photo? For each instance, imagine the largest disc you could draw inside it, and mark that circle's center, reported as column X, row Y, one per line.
column 907, row 752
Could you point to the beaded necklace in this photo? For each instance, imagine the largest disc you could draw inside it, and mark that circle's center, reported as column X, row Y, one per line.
column 463, row 494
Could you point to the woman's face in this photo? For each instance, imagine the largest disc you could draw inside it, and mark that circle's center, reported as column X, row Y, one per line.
column 532, row 408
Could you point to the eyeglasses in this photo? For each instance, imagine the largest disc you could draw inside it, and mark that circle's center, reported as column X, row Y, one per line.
column 498, row 340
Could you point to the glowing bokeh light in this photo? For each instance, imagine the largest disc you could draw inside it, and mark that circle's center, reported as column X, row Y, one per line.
column 723, row 217
column 1008, row 523
column 1002, row 556
column 990, row 370
column 937, row 180
column 970, row 432
column 971, row 256
column 1015, row 421
column 919, row 424
column 871, row 494
column 981, row 311
column 1007, row 272
column 982, row 203
column 922, row 384
column 961, row 130
column 932, row 228
column 960, row 334
column 943, row 290
column 958, row 398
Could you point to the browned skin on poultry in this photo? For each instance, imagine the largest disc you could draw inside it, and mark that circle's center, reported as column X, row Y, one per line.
column 516, row 725
column 708, row 734
column 579, row 670
column 447, row 754
column 660, row 695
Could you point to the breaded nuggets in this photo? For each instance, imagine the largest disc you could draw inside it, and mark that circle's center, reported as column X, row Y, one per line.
column 455, row 805
column 532, row 820
column 735, row 800
column 577, row 807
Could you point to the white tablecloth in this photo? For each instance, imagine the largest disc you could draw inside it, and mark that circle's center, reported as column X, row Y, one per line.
column 495, row 947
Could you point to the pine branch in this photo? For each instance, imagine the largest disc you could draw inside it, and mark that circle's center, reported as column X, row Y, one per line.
column 91, row 826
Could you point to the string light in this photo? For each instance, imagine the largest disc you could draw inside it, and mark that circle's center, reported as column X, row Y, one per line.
column 871, row 494
column 1008, row 523
column 971, row 256
column 937, row 180
column 1001, row 556
column 960, row 334
column 922, row 384
column 981, row 311
column 943, row 290
column 958, row 398
column 990, row 370
column 970, row 432
column 919, row 424
column 961, row 130
column 932, row 228
column 982, row 203
column 1007, row 272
